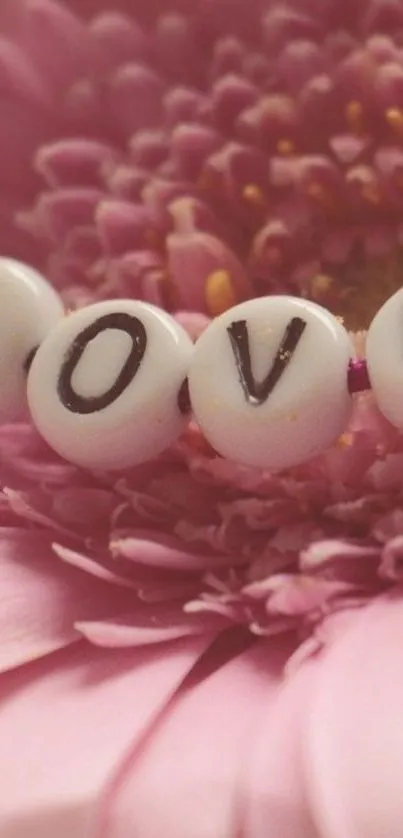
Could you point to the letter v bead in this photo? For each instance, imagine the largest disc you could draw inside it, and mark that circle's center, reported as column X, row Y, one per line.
column 288, row 357
column 256, row 393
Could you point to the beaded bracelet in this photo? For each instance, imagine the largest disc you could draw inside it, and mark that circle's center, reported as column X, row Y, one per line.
column 270, row 382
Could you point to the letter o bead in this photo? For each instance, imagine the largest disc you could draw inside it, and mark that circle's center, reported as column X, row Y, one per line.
column 29, row 308
column 384, row 350
column 268, row 382
column 103, row 387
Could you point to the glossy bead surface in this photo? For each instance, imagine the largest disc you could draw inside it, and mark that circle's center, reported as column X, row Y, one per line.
column 103, row 388
column 268, row 382
column 29, row 308
column 384, row 350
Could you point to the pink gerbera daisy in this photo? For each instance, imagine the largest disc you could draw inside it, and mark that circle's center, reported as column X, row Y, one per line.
column 191, row 648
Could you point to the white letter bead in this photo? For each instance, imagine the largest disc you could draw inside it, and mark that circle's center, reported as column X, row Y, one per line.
column 384, row 349
column 268, row 382
column 103, row 387
column 29, row 307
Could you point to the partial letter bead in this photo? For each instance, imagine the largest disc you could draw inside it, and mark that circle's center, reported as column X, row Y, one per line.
column 384, row 350
column 29, row 308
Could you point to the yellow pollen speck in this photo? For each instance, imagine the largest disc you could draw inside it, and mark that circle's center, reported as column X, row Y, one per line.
column 219, row 292
column 321, row 284
column 285, row 147
column 354, row 115
column 345, row 440
column 394, row 118
column 292, row 417
column 253, row 193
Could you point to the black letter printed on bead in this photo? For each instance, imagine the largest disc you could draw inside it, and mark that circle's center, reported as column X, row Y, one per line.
column 256, row 393
column 91, row 404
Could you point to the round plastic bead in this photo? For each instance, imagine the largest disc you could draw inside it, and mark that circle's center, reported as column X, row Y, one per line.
column 104, row 388
column 268, row 382
column 384, row 350
column 29, row 308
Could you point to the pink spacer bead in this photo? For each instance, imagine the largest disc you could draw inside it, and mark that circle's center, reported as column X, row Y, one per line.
column 358, row 378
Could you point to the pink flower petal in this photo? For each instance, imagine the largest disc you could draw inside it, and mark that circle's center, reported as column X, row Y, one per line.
column 65, row 725
column 181, row 104
column 147, row 625
column 149, row 586
column 194, row 322
column 20, row 504
column 56, row 41
column 188, row 782
column 118, row 38
column 58, row 213
column 19, row 77
column 122, row 226
column 354, row 742
column 276, row 806
column 321, row 554
column 73, row 162
column 40, row 600
column 135, row 98
column 204, row 257
column 93, row 567
column 292, row 595
column 147, row 548
column 190, row 147
column 392, row 555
